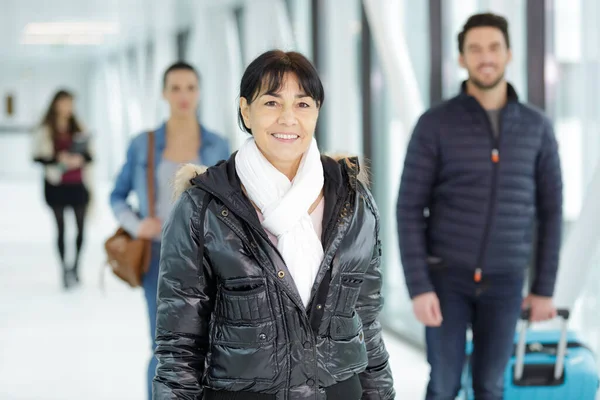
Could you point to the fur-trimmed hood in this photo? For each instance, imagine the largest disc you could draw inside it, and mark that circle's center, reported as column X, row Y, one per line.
column 185, row 175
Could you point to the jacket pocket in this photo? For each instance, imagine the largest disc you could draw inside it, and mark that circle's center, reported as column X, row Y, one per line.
column 244, row 342
column 244, row 300
column 244, row 352
column 349, row 292
column 347, row 350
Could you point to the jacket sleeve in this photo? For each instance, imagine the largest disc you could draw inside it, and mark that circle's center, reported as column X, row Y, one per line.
column 42, row 149
column 184, row 305
column 549, row 211
column 123, row 212
column 416, row 186
column 377, row 381
column 88, row 154
column 46, row 160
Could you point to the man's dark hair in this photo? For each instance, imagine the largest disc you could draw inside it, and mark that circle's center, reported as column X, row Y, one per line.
column 180, row 66
column 267, row 71
column 483, row 20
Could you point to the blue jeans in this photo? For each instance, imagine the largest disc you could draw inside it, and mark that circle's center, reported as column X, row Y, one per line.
column 150, row 285
column 491, row 308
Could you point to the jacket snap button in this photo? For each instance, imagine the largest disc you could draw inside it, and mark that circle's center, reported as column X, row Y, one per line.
column 281, row 274
column 262, row 337
column 310, row 382
column 224, row 213
column 307, row 345
column 319, row 306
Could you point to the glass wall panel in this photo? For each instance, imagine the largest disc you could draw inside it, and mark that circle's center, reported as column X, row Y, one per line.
column 573, row 83
column 340, row 122
column 300, row 12
column 392, row 116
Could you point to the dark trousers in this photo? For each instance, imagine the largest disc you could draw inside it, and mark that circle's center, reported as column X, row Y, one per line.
column 150, row 284
column 491, row 308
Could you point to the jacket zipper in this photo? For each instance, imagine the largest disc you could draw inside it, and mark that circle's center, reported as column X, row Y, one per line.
column 262, row 233
column 495, row 159
column 329, row 233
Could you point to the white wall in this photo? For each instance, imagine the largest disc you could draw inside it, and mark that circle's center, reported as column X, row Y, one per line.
column 32, row 87
column 341, row 116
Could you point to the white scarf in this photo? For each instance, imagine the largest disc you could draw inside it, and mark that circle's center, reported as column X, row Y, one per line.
column 285, row 206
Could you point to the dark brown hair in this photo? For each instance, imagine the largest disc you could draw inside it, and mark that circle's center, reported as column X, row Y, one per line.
column 268, row 71
column 180, row 66
column 484, row 20
column 50, row 117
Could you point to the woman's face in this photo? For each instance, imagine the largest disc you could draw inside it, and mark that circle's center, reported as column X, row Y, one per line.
column 181, row 92
column 282, row 123
column 64, row 107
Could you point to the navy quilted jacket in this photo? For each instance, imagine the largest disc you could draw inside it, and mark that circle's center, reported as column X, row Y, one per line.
column 473, row 201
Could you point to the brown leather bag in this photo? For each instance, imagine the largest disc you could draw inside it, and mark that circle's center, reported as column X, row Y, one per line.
column 128, row 257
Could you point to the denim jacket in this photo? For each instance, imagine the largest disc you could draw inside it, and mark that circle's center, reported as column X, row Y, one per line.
column 132, row 177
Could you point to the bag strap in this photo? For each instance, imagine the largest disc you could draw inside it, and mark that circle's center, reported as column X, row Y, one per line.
column 150, row 174
column 151, row 213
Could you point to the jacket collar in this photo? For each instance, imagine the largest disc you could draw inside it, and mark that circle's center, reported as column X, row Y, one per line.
column 511, row 93
column 510, row 110
column 223, row 182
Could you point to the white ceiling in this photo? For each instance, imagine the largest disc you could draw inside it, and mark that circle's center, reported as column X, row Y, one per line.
column 135, row 19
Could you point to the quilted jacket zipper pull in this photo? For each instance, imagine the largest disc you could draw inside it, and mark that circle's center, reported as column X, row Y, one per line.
column 495, row 156
column 477, row 275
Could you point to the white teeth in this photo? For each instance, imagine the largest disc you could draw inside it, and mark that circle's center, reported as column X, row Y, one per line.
column 283, row 136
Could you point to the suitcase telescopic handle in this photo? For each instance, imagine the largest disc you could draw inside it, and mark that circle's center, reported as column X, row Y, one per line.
column 562, row 344
column 561, row 312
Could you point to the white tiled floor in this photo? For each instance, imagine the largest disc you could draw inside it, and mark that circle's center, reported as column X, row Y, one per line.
column 87, row 344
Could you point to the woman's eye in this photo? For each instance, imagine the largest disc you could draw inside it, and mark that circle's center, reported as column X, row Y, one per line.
column 304, row 105
column 270, row 103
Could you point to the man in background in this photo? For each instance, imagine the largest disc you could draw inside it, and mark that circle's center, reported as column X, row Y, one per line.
column 480, row 171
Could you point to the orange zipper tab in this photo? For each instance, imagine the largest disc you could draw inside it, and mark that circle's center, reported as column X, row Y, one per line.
column 495, row 155
column 477, row 275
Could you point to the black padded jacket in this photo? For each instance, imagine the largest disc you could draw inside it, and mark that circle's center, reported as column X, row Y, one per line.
column 231, row 324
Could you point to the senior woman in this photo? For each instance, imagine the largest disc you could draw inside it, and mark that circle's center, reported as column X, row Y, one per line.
column 270, row 285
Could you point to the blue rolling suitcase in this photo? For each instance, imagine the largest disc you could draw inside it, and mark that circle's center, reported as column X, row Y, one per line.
column 546, row 365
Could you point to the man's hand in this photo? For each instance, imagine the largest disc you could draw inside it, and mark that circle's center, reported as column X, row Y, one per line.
column 149, row 228
column 542, row 308
column 427, row 309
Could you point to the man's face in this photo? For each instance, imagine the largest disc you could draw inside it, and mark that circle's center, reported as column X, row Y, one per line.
column 485, row 56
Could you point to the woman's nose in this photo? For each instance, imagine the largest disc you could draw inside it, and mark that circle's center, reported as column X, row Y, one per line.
column 287, row 116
